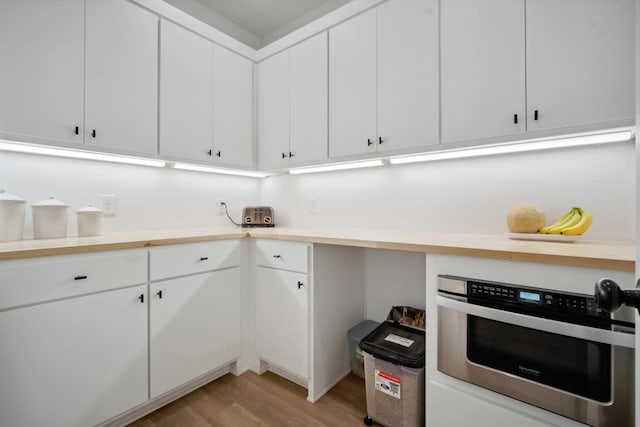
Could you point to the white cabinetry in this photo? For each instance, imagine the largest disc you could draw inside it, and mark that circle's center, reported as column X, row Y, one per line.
column 121, row 72
column 186, row 87
column 282, row 306
column 510, row 68
column 206, row 100
column 74, row 338
column 195, row 312
column 292, row 105
column 383, row 69
column 41, row 77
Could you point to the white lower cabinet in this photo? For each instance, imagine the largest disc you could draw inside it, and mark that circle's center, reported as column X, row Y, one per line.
column 282, row 312
column 447, row 401
column 74, row 362
column 194, row 327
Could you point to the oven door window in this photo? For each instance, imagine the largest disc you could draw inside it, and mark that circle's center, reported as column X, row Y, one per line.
column 574, row 365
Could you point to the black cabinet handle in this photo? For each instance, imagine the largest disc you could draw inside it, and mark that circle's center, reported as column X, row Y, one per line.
column 204, row 258
column 380, row 140
column 210, row 153
column 300, row 284
column 219, row 154
column 284, row 155
column 76, row 130
column 93, row 133
column 291, row 154
column 535, row 115
column 277, row 256
column 79, row 277
column 369, row 143
column 515, row 119
column 159, row 293
column 141, row 298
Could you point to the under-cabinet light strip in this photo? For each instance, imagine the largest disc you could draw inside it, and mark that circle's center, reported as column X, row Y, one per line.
column 207, row 169
column 76, row 154
column 337, row 166
column 514, row 147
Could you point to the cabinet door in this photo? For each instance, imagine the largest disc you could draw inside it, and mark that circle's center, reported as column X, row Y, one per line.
column 282, row 320
column 482, row 69
column 75, row 362
column 580, row 62
column 194, row 327
column 352, row 86
column 121, row 92
column 309, row 98
column 232, row 108
column 408, row 111
column 186, row 93
column 41, row 77
column 273, row 116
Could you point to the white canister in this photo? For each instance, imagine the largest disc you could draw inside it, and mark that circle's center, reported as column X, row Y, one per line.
column 49, row 219
column 11, row 216
column 89, row 221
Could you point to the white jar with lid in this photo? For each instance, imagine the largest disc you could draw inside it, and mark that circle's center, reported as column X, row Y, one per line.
column 89, row 221
column 49, row 219
column 11, row 216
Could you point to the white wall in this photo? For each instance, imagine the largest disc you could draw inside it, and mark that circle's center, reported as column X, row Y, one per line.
column 469, row 195
column 147, row 198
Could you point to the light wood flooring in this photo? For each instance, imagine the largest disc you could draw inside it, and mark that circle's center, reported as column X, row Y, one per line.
column 262, row 400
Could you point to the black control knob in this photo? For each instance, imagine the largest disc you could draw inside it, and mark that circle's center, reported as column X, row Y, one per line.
column 610, row 297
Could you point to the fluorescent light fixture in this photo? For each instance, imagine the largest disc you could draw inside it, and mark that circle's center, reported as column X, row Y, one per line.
column 207, row 169
column 77, row 154
column 337, row 166
column 514, row 147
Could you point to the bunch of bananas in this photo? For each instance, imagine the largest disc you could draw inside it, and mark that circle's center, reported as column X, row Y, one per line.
column 573, row 223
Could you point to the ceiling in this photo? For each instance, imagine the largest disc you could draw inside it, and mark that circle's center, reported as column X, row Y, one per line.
column 257, row 22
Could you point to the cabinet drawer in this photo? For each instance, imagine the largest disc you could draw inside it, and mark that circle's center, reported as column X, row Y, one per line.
column 189, row 258
column 34, row 280
column 283, row 255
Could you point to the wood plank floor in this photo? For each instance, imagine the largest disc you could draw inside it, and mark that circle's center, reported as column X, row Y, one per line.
column 262, row 400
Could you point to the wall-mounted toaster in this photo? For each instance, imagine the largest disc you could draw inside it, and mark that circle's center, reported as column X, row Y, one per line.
column 258, row 216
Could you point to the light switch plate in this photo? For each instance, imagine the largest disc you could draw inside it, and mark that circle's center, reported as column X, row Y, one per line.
column 108, row 204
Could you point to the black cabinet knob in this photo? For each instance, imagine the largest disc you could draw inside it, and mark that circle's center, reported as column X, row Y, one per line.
column 300, row 284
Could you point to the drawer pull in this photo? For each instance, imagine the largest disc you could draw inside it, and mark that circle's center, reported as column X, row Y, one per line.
column 141, row 298
column 277, row 256
column 204, row 258
column 159, row 293
column 300, row 284
column 79, row 277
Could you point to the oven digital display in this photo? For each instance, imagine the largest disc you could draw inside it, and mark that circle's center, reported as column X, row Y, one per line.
column 529, row 296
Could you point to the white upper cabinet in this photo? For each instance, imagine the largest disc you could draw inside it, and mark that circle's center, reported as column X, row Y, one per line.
column 508, row 68
column 407, row 60
column 483, row 68
column 41, row 77
column 580, row 63
column 232, row 108
column 352, row 86
column 292, row 105
column 309, row 99
column 121, row 93
column 383, row 88
column 186, row 88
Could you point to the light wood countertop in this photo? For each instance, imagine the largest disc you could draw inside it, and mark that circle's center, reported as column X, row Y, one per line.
column 583, row 253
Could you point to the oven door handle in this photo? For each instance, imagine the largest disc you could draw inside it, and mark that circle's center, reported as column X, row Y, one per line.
column 621, row 339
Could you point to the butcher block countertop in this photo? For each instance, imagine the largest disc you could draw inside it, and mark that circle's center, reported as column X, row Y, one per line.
column 583, row 253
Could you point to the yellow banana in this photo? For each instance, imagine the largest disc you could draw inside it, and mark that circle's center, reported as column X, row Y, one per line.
column 560, row 222
column 569, row 222
column 581, row 226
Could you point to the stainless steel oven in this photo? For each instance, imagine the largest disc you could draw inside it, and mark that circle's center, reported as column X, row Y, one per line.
column 554, row 350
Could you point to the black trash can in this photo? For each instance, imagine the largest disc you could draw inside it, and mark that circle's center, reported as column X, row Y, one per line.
column 394, row 375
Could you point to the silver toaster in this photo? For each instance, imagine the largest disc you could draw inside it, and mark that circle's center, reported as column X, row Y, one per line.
column 258, row 216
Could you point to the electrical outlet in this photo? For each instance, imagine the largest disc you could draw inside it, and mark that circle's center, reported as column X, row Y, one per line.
column 108, row 204
column 313, row 205
column 221, row 210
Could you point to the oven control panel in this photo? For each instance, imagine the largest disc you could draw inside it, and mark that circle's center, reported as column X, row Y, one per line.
column 528, row 297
